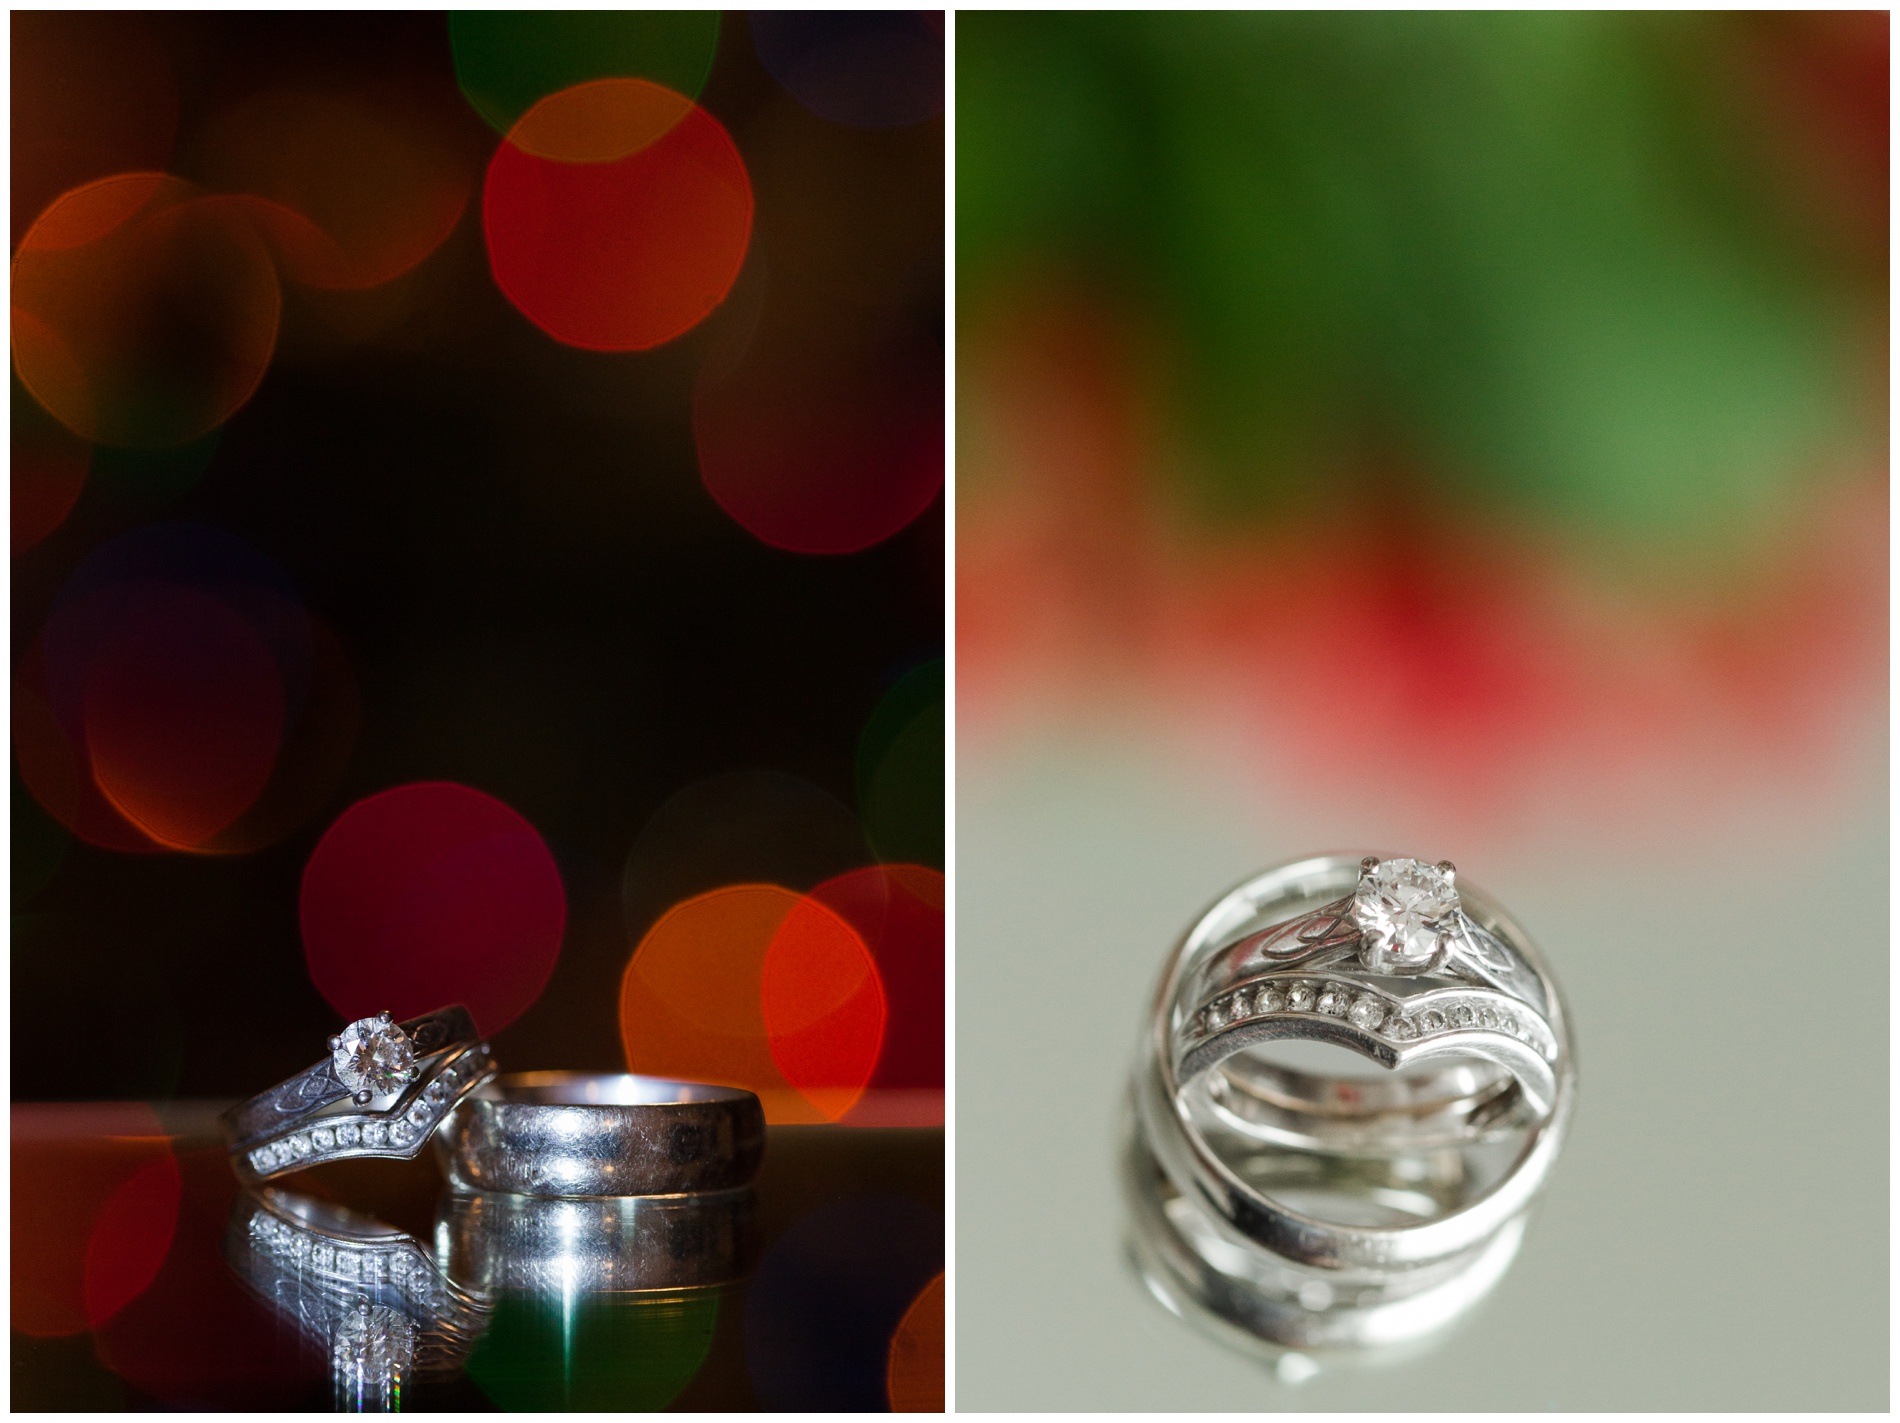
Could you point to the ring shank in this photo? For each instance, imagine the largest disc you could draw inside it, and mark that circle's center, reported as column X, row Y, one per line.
column 571, row 1134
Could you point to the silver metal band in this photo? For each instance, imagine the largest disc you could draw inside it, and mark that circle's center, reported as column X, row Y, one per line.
column 310, row 1091
column 398, row 1131
column 571, row 1134
column 498, row 1243
column 1436, row 1155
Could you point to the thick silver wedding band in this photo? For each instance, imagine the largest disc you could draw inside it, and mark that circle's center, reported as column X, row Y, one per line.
column 492, row 1242
column 573, row 1134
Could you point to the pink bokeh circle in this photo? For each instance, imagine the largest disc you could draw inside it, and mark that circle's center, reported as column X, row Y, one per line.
column 430, row 894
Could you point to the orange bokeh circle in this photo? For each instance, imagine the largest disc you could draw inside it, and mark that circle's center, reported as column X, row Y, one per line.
column 617, row 215
column 756, row 986
column 144, row 314
column 913, row 1379
column 350, row 189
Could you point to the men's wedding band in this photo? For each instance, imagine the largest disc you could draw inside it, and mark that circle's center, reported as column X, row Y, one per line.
column 602, row 1134
column 493, row 1242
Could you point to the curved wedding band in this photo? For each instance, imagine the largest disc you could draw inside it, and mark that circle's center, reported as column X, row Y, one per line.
column 1438, row 1155
column 494, row 1243
column 602, row 1134
column 385, row 1087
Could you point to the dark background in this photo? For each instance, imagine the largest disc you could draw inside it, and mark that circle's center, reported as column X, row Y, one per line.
column 535, row 593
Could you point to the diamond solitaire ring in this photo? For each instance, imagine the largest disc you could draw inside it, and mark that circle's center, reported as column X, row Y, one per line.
column 602, row 1134
column 1356, row 1077
column 382, row 1091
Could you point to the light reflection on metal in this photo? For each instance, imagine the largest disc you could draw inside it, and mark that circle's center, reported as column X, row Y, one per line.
column 365, row 1292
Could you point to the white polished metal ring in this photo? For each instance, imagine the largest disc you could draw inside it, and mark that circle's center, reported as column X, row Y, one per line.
column 1435, row 1154
column 602, row 1134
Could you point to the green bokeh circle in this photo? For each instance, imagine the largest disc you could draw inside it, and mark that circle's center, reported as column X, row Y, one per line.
column 506, row 60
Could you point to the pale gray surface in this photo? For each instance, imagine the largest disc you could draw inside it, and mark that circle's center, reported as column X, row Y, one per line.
column 1715, row 1235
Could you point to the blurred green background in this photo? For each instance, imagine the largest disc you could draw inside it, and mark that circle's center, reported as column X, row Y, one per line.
column 1602, row 270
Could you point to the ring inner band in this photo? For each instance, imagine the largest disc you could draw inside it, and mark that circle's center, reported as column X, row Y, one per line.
column 602, row 1089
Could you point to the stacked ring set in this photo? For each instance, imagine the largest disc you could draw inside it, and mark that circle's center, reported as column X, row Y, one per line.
column 576, row 1182
column 1290, row 1199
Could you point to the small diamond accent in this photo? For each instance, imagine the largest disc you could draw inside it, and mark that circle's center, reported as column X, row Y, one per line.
column 401, row 1134
column 1215, row 1017
column 419, row 1114
column 348, row 1134
column 323, row 1137
column 1332, row 999
column 261, row 1159
column 300, row 1144
column 1431, row 1020
column 1271, row 999
column 346, row 1264
column 1400, row 1028
column 1366, row 1012
column 322, row 1256
column 1300, row 998
column 374, row 1134
column 1462, row 1015
column 436, row 1092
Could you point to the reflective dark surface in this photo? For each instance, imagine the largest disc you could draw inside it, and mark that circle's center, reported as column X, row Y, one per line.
column 144, row 1277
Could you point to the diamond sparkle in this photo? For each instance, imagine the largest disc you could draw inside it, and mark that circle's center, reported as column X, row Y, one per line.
column 1403, row 908
column 374, row 1055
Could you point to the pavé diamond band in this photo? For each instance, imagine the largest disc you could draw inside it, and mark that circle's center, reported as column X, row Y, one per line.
column 1391, row 1186
column 382, row 1091
column 602, row 1134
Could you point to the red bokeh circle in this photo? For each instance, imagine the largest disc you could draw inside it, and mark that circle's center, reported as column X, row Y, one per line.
column 429, row 894
column 617, row 215
column 824, row 1007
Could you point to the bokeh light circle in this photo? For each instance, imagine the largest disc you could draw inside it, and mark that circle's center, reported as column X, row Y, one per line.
column 506, row 60
column 819, row 450
column 350, row 189
column 617, row 215
column 828, row 1297
column 184, row 714
column 913, row 1379
column 72, row 1165
column 709, row 983
column 865, row 68
column 739, row 827
column 143, row 313
column 180, row 697
column 898, row 910
column 824, row 1007
column 428, row 894
column 49, row 467
column 129, row 1243
column 901, row 769
column 196, row 1337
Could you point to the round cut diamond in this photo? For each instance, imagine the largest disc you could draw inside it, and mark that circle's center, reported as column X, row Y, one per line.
column 1332, row 999
column 1403, row 908
column 324, row 1138
column 373, row 1134
column 346, row 1135
column 372, row 1055
column 1271, row 999
column 1366, row 1012
column 1300, row 997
